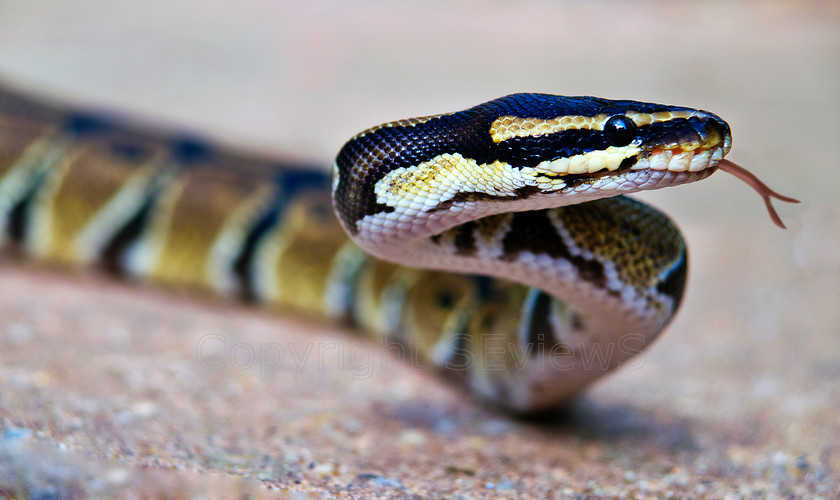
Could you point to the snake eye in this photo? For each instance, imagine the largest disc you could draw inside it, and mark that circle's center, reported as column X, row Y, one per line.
column 619, row 130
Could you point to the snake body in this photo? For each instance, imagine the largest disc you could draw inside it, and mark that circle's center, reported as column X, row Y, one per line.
column 491, row 244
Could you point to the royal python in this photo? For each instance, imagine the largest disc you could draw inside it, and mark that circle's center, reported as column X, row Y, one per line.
column 503, row 252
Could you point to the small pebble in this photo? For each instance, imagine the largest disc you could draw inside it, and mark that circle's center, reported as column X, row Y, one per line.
column 325, row 469
column 12, row 434
column 505, row 484
column 412, row 437
column 117, row 476
column 389, row 482
column 144, row 409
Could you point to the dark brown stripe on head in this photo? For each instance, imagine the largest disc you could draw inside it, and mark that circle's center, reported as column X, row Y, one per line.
column 461, row 197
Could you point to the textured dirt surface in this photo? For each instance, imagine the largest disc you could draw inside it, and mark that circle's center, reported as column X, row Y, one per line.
column 111, row 389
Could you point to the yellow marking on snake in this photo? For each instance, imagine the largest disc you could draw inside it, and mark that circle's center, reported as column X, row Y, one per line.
column 299, row 245
column 589, row 163
column 508, row 127
column 97, row 190
column 201, row 254
column 424, row 186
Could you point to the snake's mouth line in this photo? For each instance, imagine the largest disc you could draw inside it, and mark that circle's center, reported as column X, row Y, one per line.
column 696, row 161
column 626, row 166
column 680, row 159
column 670, row 160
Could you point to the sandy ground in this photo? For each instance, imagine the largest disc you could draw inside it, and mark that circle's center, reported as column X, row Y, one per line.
column 108, row 389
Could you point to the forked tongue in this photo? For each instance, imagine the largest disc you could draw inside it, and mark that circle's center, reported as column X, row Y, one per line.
column 761, row 188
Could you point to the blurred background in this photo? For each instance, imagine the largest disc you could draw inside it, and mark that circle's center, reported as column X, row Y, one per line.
column 750, row 369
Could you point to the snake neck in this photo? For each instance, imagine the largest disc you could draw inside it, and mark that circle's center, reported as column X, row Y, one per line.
column 622, row 264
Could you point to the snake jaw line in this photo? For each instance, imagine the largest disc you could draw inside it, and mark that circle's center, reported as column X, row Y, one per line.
column 761, row 188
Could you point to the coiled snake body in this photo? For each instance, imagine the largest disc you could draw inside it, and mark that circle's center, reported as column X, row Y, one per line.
column 559, row 280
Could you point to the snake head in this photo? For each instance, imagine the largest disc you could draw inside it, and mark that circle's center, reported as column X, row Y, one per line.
column 517, row 153
column 594, row 147
column 617, row 145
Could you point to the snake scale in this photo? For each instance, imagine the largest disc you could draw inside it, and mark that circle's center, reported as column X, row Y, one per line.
column 492, row 244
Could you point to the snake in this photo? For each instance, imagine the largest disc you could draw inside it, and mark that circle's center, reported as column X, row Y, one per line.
column 493, row 245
